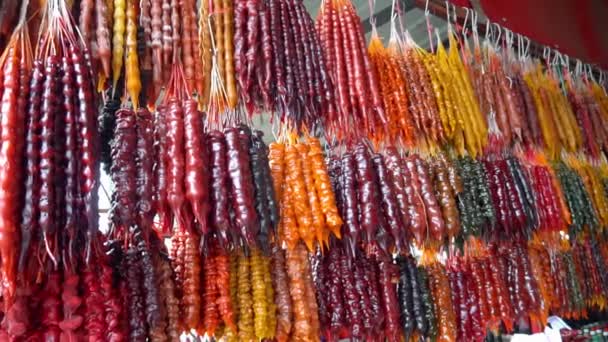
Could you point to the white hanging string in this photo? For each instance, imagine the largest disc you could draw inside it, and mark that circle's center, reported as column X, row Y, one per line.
column 466, row 19
column 429, row 27
column 493, row 35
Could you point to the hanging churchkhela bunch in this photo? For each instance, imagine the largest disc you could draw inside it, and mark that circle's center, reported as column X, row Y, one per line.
column 425, row 104
column 303, row 188
column 49, row 130
column 132, row 219
column 388, row 200
column 392, row 82
column 138, row 251
column 361, row 300
column 217, row 32
column 95, row 26
column 437, row 207
column 17, row 72
column 278, row 62
column 358, row 99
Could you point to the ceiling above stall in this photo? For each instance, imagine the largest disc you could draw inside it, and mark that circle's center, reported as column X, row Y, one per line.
column 574, row 27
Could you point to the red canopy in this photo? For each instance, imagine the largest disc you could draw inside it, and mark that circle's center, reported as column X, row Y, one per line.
column 577, row 28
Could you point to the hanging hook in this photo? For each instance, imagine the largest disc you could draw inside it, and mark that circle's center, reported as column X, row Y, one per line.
column 554, row 62
column 499, row 33
column 563, row 64
column 585, row 68
column 591, row 75
column 525, row 45
column 474, row 18
column 372, row 18
column 519, row 46
column 394, row 35
column 447, row 15
column 401, row 16
column 464, row 24
column 429, row 27
column 438, row 36
column 508, row 40
column 510, row 35
column 397, row 6
column 488, row 28
column 561, row 58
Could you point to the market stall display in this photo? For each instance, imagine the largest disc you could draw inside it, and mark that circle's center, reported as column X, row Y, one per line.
column 444, row 194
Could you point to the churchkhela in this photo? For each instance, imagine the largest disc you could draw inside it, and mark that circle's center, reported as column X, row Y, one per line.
column 403, row 194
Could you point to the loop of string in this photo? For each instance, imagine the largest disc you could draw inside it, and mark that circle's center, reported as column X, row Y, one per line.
column 464, row 24
column 474, row 19
column 509, row 37
column 437, row 36
column 546, row 56
column 559, row 57
column 506, row 42
column 498, row 28
column 429, row 27
column 447, row 16
column 372, row 19
column 590, row 72
column 584, row 70
column 395, row 13
column 396, row 9
column 401, row 18
column 454, row 14
column 429, row 30
column 488, row 29
column 519, row 47
column 554, row 61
